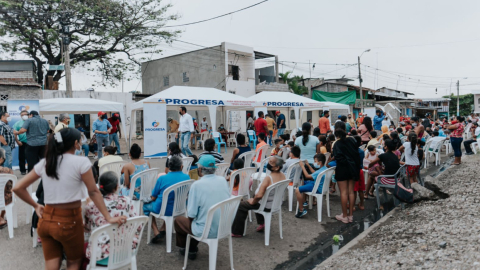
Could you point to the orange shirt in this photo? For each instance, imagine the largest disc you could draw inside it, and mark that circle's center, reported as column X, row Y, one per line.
column 259, row 153
column 324, row 125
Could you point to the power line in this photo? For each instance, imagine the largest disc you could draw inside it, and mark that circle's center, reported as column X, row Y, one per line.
column 220, row 16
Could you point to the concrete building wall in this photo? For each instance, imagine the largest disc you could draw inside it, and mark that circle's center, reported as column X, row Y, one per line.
column 16, row 92
column 204, row 68
column 332, row 88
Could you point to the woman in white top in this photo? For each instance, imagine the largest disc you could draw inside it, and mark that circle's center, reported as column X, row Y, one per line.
column 309, row 144
column 411, row 156
column 66, row 180
column 109, row 156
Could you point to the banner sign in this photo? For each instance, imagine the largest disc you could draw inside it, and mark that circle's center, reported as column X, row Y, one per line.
column 206, row 102
column 155, row 129
column 14, row 107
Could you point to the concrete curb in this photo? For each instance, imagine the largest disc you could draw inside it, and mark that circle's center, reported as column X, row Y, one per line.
column 357, row 239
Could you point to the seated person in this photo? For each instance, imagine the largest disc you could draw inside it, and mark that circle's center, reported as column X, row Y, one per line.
column 174, row 176
column 261, row 142
column 109, row 156
column 294, row 156
column 242, row 147
column 390, row 162
column 275, row 164
column 209, row 190
column 373, row 138
column 137, row 165
column 223, row 132
column 287, row 147
column 8, row 188
column 173, row 150
column 309, row 182
column 278, row 146
column 193, row 173
column 117, row 205
column 210, row 150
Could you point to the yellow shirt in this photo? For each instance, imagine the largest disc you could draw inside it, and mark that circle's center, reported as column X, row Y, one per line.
column 372, row 142
column 270, row 123
column 60, row 126
column 174, row 126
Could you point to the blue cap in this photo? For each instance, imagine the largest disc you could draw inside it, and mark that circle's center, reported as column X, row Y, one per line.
column 193, row 118
column 207, row 161
column 339, row 116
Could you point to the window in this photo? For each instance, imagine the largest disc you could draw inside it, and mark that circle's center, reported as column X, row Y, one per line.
column 3, row 97
column 166, row 81
column 292, row 115
column 234, row 72
column 185, row 77
column 309, row 115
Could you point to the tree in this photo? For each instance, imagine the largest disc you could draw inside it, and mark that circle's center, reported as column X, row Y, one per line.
column 285, row 76
column 466, row 104
column 292, row 83
column 113, row 35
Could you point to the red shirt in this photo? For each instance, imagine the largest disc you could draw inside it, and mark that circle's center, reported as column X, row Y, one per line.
column 114, row 125
column 408, row 127
column 260, row 125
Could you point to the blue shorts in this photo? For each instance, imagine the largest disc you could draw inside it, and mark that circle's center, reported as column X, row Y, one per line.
column 148, row 208
column 308, row 187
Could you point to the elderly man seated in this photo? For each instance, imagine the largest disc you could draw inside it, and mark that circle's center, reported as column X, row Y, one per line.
column 209, row 190
column 174, row 176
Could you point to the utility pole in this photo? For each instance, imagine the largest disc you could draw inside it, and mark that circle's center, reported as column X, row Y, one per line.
column 68, row 74
column 310, row 80
column 458, row 98
column 360, row 81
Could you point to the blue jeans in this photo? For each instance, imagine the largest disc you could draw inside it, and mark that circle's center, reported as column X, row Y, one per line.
column 8, row 156
column 270, row 134
column 457, row 146
column 100, row 141
column 280, row 132
column 114, row 138
column 185, row 137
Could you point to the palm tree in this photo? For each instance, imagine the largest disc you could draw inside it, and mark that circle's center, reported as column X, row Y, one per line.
column 285, row 77
column 296, row 88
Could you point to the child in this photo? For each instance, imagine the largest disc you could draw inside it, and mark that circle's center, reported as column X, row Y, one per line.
column 309, row 182
column 278, row 143
column 360, row 184
column 330, row 140
column 373, row 138
column 390, row 161
column 193, row 173
column 373, row 171
column 411, row 157
column 400, row 132
column 322, row 145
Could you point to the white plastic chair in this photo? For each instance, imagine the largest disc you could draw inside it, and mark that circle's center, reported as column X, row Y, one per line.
column 366, row 175
column 227, row 210
column 295, row 181
column 247, row 158
column 474, row 147
column 203, row 137
column 187, row 163
column 232, row 140
column 325, row 191
column 448, row 146
column 279, row 189
column 171, row 137
column 222, row 169
column 10, row 209
column 285, row 153
column 437, row 146
column 180, row 193
column 34, row 230
column 260, row 175
column 262, row 153
column 243, row 184
column 425, row 151
column 116, row 167
column 148, row 179
column 121, row 240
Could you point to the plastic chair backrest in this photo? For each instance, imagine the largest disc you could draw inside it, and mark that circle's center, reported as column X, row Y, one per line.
column 439, row 145
column 262, row 152
column 187, row 163
column 116, row 167
column 121, row 242
column 203, row 135
column 397, row 175
column 180, row 193
column 247, row 158
column 279, row 189
column 327, row 156
column 216, row 136
column 222, row 169
column 328, row 173
column 148, row 179
column 251, row 135
column 261, row 166
column 296, row 170
column 285, row 153
column 171, row 137
column 227, row 210
column 4, row 178
column 244, row 180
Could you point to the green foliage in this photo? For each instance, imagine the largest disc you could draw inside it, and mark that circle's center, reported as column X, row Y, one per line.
column 102, row 32
column 293, row 83
column 466, row 104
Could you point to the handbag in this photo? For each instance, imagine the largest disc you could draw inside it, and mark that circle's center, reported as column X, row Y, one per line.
column 403, row 194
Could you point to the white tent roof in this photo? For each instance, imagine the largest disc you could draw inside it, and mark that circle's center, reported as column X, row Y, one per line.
column 78, row 106
column 288, row 99
column 194, row 96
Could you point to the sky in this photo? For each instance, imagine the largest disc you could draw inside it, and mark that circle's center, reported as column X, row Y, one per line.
column 415, row 46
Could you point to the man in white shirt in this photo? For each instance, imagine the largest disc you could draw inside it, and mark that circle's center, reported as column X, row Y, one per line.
column 185, row 130
column 475, row 138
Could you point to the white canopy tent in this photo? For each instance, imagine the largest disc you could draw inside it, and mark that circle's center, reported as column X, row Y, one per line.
column 81, row 106
column 196, row 98
column 299, row 104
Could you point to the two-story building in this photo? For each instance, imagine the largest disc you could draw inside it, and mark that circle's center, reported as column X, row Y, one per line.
column 438, row 107
column 18, row 81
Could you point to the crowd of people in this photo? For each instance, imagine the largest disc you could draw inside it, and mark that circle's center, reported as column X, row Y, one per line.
column 351, row 146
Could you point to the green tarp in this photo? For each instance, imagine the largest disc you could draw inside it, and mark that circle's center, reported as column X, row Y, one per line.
column 347, row 97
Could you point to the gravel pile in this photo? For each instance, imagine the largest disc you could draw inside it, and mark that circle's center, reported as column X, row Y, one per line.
column 443, row 234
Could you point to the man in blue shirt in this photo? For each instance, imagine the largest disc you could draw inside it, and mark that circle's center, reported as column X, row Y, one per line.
column 309, row 182
column 174, row 176
column 280, row 123
column 377, row 121
column 209, row 190
column 101, row 128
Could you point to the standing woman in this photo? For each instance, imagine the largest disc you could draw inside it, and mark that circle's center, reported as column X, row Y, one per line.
column 345, row 151
column 364, row 129
column 456, row 138
column 66, row 179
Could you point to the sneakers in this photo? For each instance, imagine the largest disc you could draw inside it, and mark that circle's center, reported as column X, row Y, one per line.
column 301, row 214
column 95, row 157
column 158, row 237
column 469, row 154
column 192, row 255
column 305, row 204
column 237, row 235
column 261, row 228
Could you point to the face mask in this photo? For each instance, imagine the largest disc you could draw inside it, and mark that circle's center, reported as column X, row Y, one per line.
column 9, row 119
column 269, row 167
column 25, row 117
column 104, row 116
column 414, row 125
column 391, row 129
column 281, row 146
column 221, row 127
column 316, row 166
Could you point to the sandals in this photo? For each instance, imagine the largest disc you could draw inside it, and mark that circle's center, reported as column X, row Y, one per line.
column 361, row 207
column 342, row 219
column 332, row 191
column 4, row 225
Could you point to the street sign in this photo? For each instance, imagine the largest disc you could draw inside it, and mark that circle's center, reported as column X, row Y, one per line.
column 56, row 67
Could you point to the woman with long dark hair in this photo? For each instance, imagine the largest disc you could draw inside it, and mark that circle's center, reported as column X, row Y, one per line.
column 66, row 179
column 307, row 143
column 173, row 150
column 364, row 129
column 345, row 151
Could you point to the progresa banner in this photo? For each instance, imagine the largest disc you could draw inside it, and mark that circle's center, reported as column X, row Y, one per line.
column 155, row 129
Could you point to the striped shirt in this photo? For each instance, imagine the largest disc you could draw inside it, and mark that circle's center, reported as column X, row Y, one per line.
column 217, row 156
